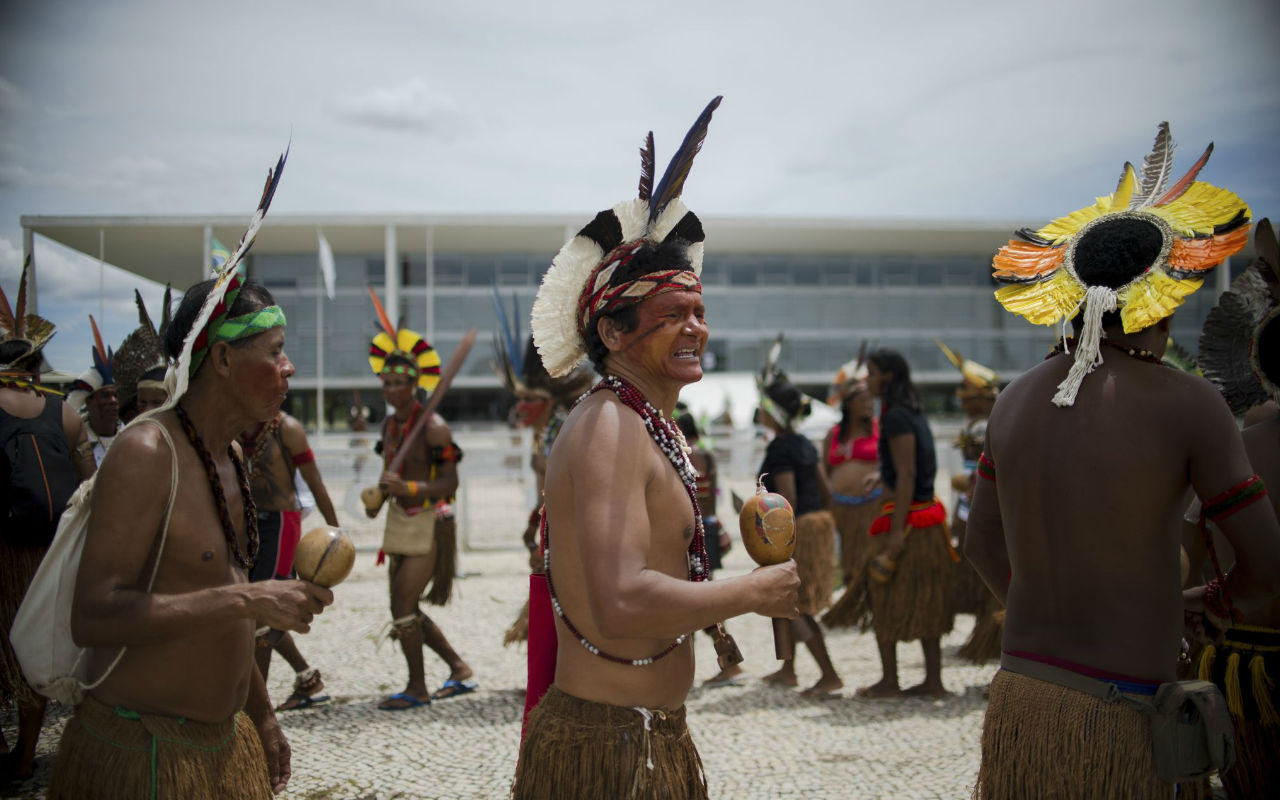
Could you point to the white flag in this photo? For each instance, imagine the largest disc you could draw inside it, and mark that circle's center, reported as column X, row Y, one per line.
column 326, row 263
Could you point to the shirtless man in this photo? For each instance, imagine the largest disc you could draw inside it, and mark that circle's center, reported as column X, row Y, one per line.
column 171, row 716
column 625, row 559
column 1074, row 523
column 420, row 506
column 95, row 391
column 275, row 451
column 30, row 504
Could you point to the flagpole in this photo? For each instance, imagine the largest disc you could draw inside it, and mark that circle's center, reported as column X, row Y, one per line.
column 319, row 349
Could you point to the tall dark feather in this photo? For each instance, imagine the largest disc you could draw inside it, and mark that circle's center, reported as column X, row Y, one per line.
column 509, row 338
column 143, row 317
column 646, row 167
column 1268, row 256
column 1155, row 169
column 20, row 310
column 165, row 313
column 672, row 183
column 1175, row 191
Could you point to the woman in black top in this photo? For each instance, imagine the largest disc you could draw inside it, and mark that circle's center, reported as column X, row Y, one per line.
column 909, row 584
column 790, row 469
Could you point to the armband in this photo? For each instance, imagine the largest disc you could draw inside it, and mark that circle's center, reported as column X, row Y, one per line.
column 1237, row 498
column 413, row 487
column 986, row 467
column 305, row 457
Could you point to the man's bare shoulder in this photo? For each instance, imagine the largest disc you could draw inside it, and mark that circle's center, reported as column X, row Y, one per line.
column 141, row 449
column 601, row 423
column 438, row 433
column 293, row 434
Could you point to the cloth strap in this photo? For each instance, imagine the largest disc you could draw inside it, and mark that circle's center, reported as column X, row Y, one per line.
column 1103, row 690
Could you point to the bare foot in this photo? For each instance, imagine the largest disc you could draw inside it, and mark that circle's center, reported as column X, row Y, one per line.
column 936, row 691
column 884, row 688
column 460, row 671
column 725, row 677
column 824, row 687
column 783, row 677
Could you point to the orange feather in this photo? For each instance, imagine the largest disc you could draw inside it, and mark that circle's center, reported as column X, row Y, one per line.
column 1198, row 255
column 1021, row 261
column 1175, row 191
column 382, row 315
column 97, row 341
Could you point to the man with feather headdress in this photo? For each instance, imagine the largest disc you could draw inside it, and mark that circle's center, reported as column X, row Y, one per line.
column 1087, row 460
column 44, row 455
column 1240, row 354
column 162, row 599
column 139, row 364
column 95, row 392
column 622, row 536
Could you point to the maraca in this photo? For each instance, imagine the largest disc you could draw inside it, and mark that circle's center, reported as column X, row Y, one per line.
column 324, row 556
column 768, row 527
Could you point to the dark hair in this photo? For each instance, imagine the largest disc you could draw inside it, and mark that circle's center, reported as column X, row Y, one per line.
column 16, row 352
column 253, row 296
column 787, row 397
column 648, row 257
column 688, row 426
column 1114, row 252
column 846, row 419
column 900, row 391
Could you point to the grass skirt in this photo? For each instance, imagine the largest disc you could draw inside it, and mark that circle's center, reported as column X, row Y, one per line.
column 815, row 560
column 984, row 642
column 105, row 755
column 1246, row 667
column 853, row 522
column 1041, row 740
column 17, row 565
column 446, row 566
column 916, row 602
column 968, row 592
column 519, row 630
column 575, row 748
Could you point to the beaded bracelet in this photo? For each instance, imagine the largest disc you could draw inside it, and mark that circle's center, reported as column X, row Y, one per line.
column 1217, row 601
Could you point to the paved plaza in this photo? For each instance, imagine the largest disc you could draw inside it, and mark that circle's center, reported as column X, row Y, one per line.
column 757, row 740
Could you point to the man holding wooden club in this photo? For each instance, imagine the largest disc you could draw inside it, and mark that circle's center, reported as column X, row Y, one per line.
column 420, row 476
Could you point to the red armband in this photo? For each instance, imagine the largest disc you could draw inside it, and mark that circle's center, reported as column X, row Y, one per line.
column 1237, row 498
column 305, row 457
column 986, row 467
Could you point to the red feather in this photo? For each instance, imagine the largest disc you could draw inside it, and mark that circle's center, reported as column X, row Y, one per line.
column 97, row 341
column 1175, row 191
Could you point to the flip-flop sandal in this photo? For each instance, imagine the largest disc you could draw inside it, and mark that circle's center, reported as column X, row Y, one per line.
column 297, row 701
column 407, row 699
column 453, row 688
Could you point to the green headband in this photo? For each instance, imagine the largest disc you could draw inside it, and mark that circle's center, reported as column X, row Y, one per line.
column 235, row 328
column 400, row 369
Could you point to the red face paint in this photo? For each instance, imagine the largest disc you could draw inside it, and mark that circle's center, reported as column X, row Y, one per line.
column 261, row 372
column 671, row 335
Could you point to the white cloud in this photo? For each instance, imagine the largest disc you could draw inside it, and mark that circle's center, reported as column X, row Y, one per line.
column 408, row 106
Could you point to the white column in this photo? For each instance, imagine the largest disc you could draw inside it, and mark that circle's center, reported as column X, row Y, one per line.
column 1224, row 275
column 431, row 284
column 391, row 275
column 29, row 251
column 206, row 257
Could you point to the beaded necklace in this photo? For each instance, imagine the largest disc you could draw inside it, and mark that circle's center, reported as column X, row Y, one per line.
column 220, row 497
column 1129, row 350
column 250, row 442
column 394, row 441
column 671, row 442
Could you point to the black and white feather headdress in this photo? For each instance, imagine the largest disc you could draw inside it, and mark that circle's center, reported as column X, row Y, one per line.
column 580, row 284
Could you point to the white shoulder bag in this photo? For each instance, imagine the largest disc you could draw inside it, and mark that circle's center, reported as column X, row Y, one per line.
column 41, row 636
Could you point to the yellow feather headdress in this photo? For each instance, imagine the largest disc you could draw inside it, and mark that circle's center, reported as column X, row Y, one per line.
column 1046, row 274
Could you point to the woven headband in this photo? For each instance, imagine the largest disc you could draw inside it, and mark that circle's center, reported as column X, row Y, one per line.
column 230, row 329
column 599, row 297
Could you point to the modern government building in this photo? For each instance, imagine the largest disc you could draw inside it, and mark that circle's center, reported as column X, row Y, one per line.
column 829, row 285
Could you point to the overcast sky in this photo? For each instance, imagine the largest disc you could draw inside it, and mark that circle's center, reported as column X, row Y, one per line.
column 999, row 110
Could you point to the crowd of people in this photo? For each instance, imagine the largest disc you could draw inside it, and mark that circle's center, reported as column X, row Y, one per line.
column 1112, row 534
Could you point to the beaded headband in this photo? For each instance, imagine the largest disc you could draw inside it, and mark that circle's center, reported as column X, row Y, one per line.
column 1198, row 225
column 583, row 280
column 1241, row 325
